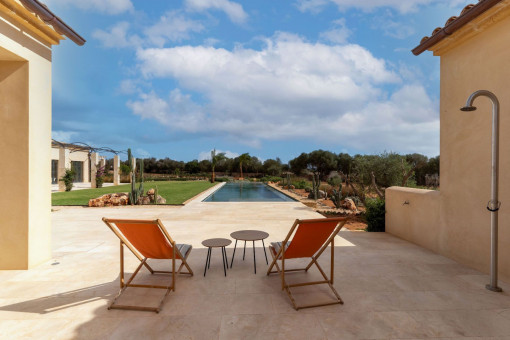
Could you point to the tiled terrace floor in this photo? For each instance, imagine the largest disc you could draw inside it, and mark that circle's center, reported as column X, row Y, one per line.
column 391, row 288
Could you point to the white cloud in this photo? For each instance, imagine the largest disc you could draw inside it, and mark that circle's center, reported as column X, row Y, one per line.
column 290, row 89
column 211, row 42
column 338, row 34
column 101, row 6
column 314, row 6
column 128, row 86
column 232, row 9
column 117, row 36
column 177, row 111
column 62, row 136
column 206, row 155
column 141, row 153
column 391, row 28
column 172, row 26
column 403, row 6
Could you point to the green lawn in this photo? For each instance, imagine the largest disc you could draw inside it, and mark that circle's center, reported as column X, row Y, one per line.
column 173, row 192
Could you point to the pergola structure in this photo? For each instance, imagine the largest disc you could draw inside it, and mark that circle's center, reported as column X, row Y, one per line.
column 28, row 30
column 93, row 160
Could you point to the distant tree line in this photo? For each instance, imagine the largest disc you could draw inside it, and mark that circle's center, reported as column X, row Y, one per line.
column 251, row 165
column 386, row 169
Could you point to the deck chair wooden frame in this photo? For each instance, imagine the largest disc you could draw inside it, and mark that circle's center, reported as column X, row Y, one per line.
column 124, row 242
column 280, row 255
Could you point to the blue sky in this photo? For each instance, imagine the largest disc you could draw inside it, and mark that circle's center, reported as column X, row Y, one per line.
column 272, row 78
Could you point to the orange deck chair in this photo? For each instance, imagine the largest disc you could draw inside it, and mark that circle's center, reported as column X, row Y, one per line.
column 147, row 239
column 309, row 240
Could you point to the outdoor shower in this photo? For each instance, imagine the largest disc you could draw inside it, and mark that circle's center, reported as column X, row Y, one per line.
column 494, row 204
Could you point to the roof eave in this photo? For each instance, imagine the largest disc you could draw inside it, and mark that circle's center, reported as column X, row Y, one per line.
column 51, row 19
column 456, row 24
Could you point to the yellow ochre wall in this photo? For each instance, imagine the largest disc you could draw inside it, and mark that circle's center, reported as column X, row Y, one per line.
column 25, row 149
column 455, row 222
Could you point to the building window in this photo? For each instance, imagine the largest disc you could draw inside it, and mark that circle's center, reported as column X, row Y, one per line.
column 54, row 171
column 77, row 167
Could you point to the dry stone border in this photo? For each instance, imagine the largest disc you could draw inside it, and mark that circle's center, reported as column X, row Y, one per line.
column 110, row 200
column 122, row 198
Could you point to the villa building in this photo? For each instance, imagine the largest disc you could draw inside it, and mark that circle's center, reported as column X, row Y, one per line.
column 28, row 30
column 454, row 221
column 75, row 157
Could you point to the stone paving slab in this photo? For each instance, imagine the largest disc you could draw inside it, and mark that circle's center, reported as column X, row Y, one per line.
column 391, row 288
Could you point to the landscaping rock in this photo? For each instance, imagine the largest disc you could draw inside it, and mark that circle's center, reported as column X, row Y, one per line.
column 110, row 200
column 349, row 204
column 144, row 200
column 161, row 200
column 151, row 192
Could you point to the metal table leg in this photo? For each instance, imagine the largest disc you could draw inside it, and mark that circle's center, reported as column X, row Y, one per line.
column 263, row 245
column 234, row 254
column 223, row 258
column 244, row 252
column 225, row 253
column 254, row 262
column 207, row 259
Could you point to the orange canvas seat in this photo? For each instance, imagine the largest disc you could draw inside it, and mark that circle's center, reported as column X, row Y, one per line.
column 147, row 239
column 307, row 239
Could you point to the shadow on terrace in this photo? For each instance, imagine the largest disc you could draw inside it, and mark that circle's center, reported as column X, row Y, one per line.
column 391, row 289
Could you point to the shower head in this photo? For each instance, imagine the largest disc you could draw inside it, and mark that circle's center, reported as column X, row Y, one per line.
column 468, row 108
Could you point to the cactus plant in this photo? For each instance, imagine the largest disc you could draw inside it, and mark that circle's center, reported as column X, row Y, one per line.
column 156, row 195
column 316, row 183
column 135, row 194
column 337, row 197
column 140, row 188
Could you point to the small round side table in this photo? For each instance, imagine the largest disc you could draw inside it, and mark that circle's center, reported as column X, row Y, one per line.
column 216, row 243
column 249, row 235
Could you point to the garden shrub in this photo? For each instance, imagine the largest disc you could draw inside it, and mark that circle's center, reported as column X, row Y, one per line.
column 325, row 187
column 302, row 184
column 335, row 181
column 356, row 200
column 124, row 169
column 221, row 179
column 375, row 214
column 274, row 179
column 108, row 178
column 68, row 179
column 100, row 177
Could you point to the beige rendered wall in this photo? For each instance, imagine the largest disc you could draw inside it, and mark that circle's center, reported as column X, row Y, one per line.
column 14, row 173
column 413, row 214
column 463, row 223
column 481, row 62
column 76, row 156
column 25, row 116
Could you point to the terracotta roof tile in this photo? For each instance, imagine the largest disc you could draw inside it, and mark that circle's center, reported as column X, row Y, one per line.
column 450, row 20
column 467, row 8
column 467, row 14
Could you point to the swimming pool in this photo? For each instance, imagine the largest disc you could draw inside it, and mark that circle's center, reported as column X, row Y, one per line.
column 247, row 192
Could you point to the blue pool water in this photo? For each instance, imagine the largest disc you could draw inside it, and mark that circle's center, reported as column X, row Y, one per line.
column 247, row 192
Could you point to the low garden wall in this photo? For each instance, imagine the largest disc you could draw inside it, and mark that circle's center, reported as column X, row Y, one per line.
column 458, row 228
column 414, row 215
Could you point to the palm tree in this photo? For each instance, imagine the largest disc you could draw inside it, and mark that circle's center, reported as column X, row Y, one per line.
column 215, row 159
column 245, row 157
